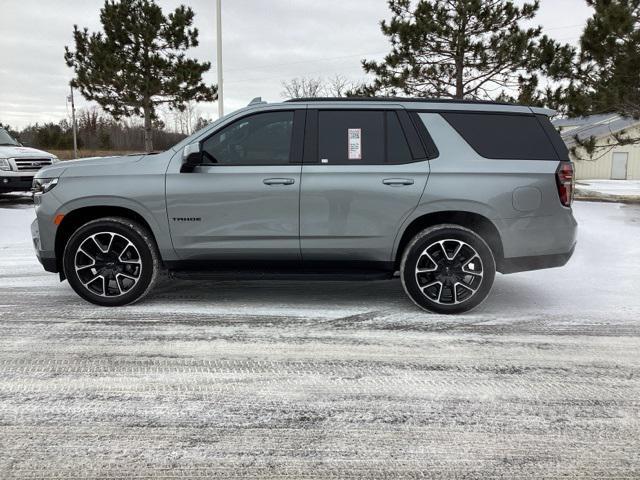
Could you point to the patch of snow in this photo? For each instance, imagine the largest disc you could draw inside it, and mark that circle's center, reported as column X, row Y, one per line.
column 621, row 188
column 15, row 225
column 600, row 283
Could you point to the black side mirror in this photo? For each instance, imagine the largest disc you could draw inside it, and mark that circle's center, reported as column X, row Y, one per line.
column 191, row 157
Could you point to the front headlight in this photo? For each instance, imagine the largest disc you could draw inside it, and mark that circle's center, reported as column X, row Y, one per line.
column 54, row 159
column 4, row 164
column 43, row 185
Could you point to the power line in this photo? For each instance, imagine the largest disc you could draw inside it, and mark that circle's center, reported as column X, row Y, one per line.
column 564, row 26
column 303, row 61
column 323, row 59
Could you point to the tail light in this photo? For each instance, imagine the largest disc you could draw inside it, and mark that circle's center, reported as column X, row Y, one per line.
column 564, row 181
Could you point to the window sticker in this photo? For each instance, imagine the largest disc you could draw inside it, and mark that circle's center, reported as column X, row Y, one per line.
column 354, row 136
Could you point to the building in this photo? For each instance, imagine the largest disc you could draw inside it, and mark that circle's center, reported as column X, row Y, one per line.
column 616, row 162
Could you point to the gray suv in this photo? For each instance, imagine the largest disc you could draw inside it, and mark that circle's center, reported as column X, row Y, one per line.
column 440, row 193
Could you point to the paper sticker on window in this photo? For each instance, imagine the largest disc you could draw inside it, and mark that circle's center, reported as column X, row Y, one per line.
column 354, row 136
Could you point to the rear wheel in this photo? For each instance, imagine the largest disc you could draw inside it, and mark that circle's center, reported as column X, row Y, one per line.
column 111, row 261
column 447, row 269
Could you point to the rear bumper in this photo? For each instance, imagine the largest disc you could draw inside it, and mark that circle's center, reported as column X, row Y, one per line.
column 15, row 184
column 523, row 264
column 539, row 236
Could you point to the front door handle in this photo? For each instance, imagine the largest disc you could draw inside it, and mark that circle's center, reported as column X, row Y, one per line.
column 278, row 181
column 397, row 182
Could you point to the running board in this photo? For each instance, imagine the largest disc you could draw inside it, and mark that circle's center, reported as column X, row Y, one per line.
column 310, row 276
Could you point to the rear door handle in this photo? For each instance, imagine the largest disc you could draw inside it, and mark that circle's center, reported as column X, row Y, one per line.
column 397, row 182
column 278, row 181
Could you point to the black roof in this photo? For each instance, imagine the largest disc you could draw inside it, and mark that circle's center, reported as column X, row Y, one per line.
column 396, row 99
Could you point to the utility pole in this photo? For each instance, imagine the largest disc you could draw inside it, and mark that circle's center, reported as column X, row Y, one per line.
column 219, row 48
column 74, row 126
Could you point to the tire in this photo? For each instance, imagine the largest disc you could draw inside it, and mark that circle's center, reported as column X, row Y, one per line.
column 111, row 261
column 440, row 273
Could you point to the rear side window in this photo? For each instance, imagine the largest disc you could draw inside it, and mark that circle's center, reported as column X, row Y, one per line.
column 397, row 147
column 361, row 137
column 504, row 136
column 554, row 136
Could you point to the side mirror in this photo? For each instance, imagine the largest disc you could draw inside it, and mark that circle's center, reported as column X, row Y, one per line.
column 191, row 157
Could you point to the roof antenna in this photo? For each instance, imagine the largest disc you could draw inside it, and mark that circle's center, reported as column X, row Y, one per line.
column 256, row 101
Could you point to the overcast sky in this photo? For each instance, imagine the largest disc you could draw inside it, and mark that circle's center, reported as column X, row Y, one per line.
column 264, row 42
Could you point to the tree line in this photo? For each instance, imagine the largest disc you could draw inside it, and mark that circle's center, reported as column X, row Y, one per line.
column 96, row 131
column 137, row 65
column 478, row 49
column 475, row 49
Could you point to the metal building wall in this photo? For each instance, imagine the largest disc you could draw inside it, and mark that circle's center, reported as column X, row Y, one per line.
column 600, row 168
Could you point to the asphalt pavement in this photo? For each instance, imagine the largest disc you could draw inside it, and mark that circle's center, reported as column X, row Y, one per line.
column 317, row 380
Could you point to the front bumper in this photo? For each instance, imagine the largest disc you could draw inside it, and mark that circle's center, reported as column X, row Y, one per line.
column 47, row 261
column 15, row 184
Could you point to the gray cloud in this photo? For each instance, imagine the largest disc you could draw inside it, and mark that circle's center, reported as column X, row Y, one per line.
column 264, row 42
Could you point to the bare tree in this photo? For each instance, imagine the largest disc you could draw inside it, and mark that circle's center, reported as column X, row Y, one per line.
column 302, row 87
column 310, row 87
column 341, row 86
column 185, row 121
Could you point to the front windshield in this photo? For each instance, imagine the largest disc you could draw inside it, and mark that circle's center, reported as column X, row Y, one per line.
column 6, row 139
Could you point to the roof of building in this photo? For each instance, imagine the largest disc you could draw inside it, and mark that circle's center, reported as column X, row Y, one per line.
column 596, row 126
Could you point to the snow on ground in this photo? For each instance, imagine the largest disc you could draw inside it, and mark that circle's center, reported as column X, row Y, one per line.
column 616, row 189
column 326, row 379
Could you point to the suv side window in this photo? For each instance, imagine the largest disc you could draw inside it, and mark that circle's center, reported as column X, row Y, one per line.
column 503, row 136
column 397, row 147
column 355, row 136
column 259, row 139
column 361, row 137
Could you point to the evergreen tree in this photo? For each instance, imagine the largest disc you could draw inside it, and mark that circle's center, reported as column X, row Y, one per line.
column 139, row 61
column 460, row 49
column 607, row 77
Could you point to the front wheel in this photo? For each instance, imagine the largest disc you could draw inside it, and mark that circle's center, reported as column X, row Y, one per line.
column 447, row 269
column 111, row 261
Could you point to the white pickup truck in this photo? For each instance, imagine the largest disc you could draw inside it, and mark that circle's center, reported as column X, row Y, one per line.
column 18, row 164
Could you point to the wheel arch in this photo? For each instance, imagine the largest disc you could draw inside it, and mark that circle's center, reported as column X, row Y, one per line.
column 80, row 216
column 476, row 222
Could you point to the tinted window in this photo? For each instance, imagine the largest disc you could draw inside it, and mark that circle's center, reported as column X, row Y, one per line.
column 361, row 136
column 351, row 137
column 519, row 137
column 554, row 136
column 260, row 139
column 397, row 148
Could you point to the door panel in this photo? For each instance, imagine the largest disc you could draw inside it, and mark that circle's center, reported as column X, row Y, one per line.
column 243, row 203
column 619, row 166
column 230, row 213
column 353, row 213
column 360, row 181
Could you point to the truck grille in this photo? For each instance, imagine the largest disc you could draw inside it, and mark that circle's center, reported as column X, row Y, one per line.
column 31, row 164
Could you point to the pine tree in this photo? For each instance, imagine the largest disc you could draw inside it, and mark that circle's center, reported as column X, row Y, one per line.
column 460, row 48
column 607, row 77
column 606, row 72
column 138, row 62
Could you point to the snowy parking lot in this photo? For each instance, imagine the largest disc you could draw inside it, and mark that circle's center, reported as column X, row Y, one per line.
column 326, row 380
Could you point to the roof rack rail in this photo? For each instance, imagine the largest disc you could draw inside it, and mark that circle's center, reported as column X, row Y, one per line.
column 395, row 99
